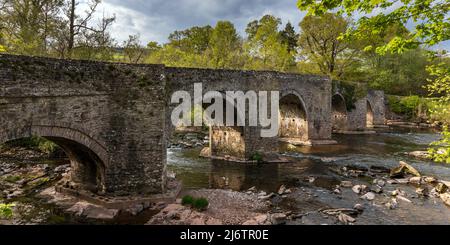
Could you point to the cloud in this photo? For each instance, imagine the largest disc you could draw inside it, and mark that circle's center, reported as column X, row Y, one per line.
column 156, row 19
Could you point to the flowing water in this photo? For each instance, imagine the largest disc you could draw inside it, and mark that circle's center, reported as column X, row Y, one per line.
column 384, row 149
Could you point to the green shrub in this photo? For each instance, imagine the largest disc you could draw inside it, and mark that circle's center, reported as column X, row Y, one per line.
column 201, row 204
column 440, row 151
column 187, row 201
column 257, row 157
column 413, row 107
column 6, row 211
column 34, row 142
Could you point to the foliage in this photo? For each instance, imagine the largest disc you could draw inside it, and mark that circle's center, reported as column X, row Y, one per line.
column 187, row 200
column 201, row 204
column 224, row 46
column 410, row 106
column 257, row 157
column 6, row 211
column 440, row 151
column 34, row 142
column 319, row 43
column 55, row 28
column 351, row 91
column 2, row 49
column 289, row 37
column 12, row 178
column 133, row 51
column 265, row 46
column 399, row 74
column 431, row 16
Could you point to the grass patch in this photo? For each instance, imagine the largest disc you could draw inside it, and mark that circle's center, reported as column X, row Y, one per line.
column 6, row 211
column 12, row 179
column 200, row 204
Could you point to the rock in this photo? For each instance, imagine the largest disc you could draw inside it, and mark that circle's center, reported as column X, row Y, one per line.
column 423, row 192
column 282, row 190
column 206, row 152
column 359, row 207
column 401, row 198
column 446, row 198
column 441, row 188
column 250, row 223
column 404, row 170
column 430, row 180
column 447, row 183
column 278, row 219
column 346, row 219
column 370, row 196
column 253, row 189
column 415, row 180
column 100, row 213
column 311, row 179
column 337, row 191
column 420, row 154
column 381, row 183
column 136, row 209
column 261, row 219
column 347, row 184
column 267, row 197
column 91, row 211
column 393, row 204
column 359, row 189
column 377, row 189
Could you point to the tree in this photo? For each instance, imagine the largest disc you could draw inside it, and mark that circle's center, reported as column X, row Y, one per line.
column 431, row 17
column 81, row 28
column 192, row 40
column 319, row 43
column 224, row 45
column 133, row 50
column 27, row 25
column 432, row 27
column 290, row 37
column 266, row 49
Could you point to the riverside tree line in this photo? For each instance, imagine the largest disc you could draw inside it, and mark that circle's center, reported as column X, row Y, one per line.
column 375, row 48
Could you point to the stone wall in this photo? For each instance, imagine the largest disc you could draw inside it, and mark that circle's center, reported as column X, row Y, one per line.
column 377, row 100
column 109, row 118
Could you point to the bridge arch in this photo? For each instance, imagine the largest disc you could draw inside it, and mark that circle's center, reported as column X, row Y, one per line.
column 339, row 112
column 293, row 117
column 88, row 158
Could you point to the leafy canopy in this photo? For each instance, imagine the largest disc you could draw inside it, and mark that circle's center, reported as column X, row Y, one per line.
column 430, row 18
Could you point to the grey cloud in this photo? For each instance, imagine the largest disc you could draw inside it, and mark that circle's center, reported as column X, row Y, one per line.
column 156, row 19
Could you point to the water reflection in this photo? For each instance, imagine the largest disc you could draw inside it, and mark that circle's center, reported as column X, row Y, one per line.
column 384, row 149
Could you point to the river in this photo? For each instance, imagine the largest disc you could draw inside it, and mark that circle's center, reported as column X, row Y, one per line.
column 382, row 150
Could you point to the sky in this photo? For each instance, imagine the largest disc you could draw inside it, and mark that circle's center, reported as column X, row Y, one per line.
column 154, row 20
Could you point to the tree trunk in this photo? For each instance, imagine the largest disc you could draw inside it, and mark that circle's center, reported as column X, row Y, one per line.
column 71, row 29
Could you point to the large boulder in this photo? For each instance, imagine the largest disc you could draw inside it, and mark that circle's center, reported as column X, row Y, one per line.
column 403, row 171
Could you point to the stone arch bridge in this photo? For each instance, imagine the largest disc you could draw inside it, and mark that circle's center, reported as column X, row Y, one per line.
column 112, row 120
